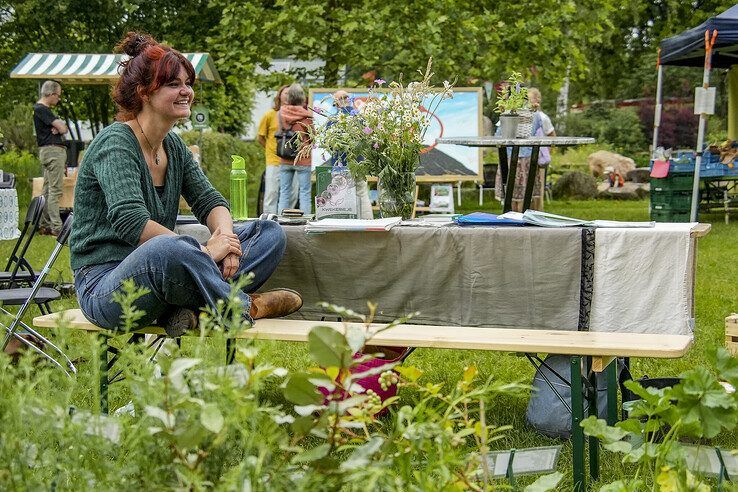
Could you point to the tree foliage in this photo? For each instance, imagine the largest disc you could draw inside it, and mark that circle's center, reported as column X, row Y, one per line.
column 623, row 64
column 607, row 46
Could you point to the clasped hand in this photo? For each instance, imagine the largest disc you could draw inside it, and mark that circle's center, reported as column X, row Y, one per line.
column 225, row 249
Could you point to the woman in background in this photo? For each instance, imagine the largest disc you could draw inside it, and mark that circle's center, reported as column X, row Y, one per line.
column 294, row 116
column 545, row 129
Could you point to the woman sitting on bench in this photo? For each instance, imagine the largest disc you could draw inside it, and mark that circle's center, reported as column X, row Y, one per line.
column 126, row 204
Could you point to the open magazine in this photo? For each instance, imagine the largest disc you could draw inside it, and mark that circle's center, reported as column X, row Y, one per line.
column 334, row 225
column 543, row 219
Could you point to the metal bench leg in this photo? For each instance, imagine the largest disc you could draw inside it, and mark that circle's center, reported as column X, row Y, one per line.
column 230, row 350
column 509, row 472
column 723, row 470
column 577, row 433
column 103, row 374
column 612, row 392
column 594, row 445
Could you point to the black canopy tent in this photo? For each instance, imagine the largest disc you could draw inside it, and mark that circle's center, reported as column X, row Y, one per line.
column 690, row 49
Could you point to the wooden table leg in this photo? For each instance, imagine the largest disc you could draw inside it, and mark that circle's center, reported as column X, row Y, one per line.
column 532, row 174
column 510, row 182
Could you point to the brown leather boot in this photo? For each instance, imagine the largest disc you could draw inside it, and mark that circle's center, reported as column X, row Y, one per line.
column 16, row 348
column 274, row 303
column 178, row 321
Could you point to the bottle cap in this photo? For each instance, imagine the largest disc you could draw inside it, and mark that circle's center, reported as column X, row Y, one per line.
column 239, row 163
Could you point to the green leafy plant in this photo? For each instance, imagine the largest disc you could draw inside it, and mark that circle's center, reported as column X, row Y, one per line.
column 512, row 96
column 251, row 425
column 699, row 407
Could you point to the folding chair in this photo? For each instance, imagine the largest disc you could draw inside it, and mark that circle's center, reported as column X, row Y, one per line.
column 41, row 296
column 8, row 181
column 18, row 270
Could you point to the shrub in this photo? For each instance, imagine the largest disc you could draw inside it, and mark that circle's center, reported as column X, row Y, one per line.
column 678, row 127
column 619, row 127
column 25, row 166
column 575, row 184
column 17, row 129
column 216, row 150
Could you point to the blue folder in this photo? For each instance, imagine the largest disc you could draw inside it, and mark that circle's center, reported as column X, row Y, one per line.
column 483, row 218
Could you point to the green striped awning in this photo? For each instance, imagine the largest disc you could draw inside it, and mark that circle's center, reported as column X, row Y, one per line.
column 79, row 68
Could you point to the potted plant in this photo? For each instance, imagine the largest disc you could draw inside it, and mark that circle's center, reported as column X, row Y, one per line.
column 512, row 104
column 384, row 137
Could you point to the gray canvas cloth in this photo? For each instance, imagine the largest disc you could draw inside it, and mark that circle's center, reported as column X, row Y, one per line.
column 505, row 277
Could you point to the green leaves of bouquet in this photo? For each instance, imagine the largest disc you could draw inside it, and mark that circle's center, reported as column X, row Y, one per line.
column 513, row 96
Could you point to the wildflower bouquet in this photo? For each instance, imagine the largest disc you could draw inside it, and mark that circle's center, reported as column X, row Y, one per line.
column 383, row 137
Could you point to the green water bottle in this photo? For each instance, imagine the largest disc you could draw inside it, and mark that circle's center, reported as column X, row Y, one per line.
column 239, row 206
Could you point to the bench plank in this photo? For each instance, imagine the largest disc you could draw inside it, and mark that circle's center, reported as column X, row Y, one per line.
column 606, row 345
column 700, row 230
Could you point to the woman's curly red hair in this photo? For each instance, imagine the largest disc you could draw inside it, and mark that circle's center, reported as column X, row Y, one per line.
column 150, row 66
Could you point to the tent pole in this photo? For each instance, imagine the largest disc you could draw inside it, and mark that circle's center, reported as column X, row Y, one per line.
column 657, row 108
column 701, row 131
column 733, row 103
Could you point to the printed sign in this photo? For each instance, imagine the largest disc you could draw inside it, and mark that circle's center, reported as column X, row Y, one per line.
column 200, row 118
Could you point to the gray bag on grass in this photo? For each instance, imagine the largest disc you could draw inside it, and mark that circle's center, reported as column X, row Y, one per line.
column 545, row 411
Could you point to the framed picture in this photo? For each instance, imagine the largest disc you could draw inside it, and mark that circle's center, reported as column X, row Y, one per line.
column 442, row 198
column 456, row 117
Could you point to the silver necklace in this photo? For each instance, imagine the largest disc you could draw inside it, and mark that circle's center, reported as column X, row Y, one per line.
column 155, row 151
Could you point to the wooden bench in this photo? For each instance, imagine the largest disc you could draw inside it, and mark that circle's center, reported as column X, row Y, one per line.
column 597, row 348
column 602, row 347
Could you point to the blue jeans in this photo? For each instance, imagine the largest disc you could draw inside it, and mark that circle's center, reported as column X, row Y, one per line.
column 177, row 273
column 285, row 184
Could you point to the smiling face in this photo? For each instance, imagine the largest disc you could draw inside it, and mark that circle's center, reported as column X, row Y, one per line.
column 174, row 99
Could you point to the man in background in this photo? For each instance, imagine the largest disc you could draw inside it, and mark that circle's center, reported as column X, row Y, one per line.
column 52, row 153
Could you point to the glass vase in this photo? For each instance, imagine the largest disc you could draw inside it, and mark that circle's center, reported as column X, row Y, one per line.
column 396, row 195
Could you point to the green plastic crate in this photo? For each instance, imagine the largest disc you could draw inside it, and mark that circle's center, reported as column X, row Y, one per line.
column 675, row 201
column 669, row 216
column 672, row 183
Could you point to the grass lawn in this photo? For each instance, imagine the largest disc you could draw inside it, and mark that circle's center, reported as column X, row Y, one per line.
column 716, row 298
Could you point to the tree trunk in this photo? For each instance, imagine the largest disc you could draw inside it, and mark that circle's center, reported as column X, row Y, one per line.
column 330, row 69
column 562, row 104
column 105, row 109
column 91, row 101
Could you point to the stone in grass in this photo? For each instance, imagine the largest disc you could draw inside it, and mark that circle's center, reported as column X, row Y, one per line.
column 575, row 184
column 602, row 159
column 629, row 191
